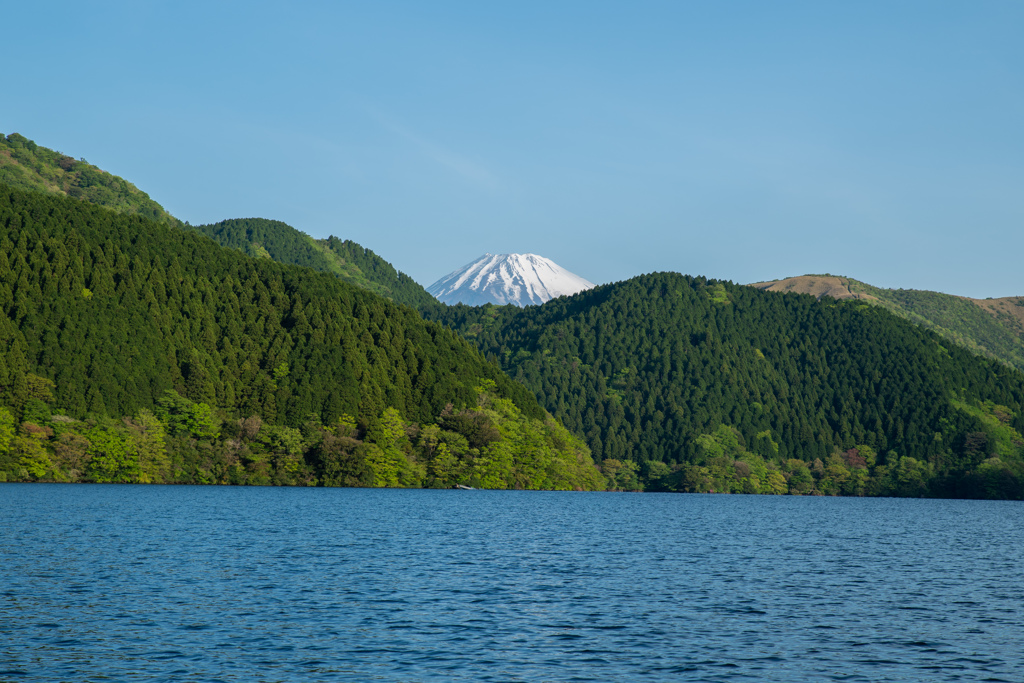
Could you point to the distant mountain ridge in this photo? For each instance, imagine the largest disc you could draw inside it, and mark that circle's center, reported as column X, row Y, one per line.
column 355, row 264
column 519, row 279
column 991, row 327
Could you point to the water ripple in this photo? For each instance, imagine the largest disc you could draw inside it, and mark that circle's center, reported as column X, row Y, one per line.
column 133, row 583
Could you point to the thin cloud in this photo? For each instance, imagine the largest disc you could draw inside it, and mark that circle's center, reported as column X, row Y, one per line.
column 464, row 167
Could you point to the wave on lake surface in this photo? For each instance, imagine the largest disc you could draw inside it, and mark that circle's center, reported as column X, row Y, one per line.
column 133, row 583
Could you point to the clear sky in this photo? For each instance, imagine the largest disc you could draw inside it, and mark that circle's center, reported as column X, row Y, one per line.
column 739, row 140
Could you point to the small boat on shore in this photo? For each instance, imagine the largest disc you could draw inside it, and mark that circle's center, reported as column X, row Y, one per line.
column 464, row 487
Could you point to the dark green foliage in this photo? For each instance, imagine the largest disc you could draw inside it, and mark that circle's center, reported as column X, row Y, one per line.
column 262, row 238
column 645, row 369
column 362, row 267
column 105, row 315
column 25, row 164
column 117, row 310
column 956, row 318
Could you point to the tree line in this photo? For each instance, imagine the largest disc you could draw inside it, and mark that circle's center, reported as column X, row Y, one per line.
column 491, row 444
column 650, row 372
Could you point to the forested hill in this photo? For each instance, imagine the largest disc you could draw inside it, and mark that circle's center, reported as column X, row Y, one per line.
column 116, row 309
column 27, row 165
column 105, row 315
column 707, row 385
column 992, row 327
column 281, row 242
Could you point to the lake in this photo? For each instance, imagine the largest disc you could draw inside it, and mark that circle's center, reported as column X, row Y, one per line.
column 151, row 583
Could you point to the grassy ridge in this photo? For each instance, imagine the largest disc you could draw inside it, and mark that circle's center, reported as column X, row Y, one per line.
column 27, row 165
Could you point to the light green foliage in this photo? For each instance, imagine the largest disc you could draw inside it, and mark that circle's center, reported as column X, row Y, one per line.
column 184, row 417
column 281, row 371
column 534, row 454
column 996, row 421
column 494, row 445
column 35, row 411
column 7, row 430
column 29, row 446
column 388, row 450
column 446, row 453
column 621, row 475
column 911, row 477
column 284, row 440
column 27, row 165
column 869, row 454
column 112, row 456
column 724, row 465
column 147, row 440
column 444, row 467
column 718, row 294
column 776, row 483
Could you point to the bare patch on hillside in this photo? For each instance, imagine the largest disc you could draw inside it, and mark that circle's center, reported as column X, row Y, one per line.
column 815, row 285
column 1008, row 309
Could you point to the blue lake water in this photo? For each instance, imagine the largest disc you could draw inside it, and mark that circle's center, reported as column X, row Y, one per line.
column 133, row 583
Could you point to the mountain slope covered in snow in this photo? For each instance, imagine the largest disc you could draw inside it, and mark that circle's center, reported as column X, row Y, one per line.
column 520, row 279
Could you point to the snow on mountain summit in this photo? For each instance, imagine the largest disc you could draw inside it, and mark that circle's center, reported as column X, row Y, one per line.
column 520, row 279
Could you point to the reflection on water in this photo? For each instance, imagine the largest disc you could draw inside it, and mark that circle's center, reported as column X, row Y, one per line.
column 233, row 584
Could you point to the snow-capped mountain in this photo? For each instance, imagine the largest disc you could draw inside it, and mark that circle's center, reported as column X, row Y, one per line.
column 520, row 279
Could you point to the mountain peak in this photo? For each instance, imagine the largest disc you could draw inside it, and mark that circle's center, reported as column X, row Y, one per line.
column 520, row 279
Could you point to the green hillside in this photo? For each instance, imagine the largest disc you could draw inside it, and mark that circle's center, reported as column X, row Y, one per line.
column 705, row 385
column 25, row 164
column 134, row 351
column 279, row 241
column 131, row 350
column 991, row 327
column 963, row 320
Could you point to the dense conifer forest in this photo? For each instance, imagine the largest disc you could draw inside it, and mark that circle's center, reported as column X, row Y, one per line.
column 991, row 327
column 962, row 320
column 689, row 384
column 357, row 265
column 131, row 350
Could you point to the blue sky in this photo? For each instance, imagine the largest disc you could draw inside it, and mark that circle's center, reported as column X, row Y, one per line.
column 739, row 140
